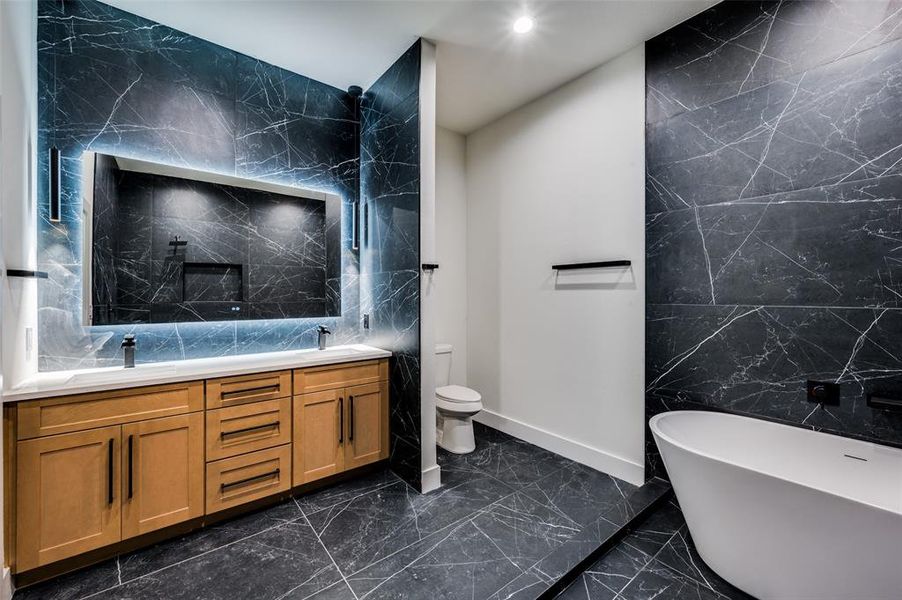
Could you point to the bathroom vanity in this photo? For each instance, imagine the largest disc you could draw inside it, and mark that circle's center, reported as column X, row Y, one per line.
column 100, row 457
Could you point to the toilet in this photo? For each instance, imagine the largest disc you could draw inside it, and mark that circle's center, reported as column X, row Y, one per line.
column 455, row 406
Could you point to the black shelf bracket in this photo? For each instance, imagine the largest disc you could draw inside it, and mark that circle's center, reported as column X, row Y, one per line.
column 604, row 264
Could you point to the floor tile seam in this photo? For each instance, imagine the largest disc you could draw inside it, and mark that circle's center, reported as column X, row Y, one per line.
column 461, row 521
column 534, row 566
column 450, row 530
column 653, row 558
column 308, row 580
column 306, row 513
column 680, row 571
column 190, row 558
column 329, row 554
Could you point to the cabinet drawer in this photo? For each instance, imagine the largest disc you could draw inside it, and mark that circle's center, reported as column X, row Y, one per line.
column 317, row 379
column 234, row 481
column 101, row 409
column 240, row 429
column 231, row 391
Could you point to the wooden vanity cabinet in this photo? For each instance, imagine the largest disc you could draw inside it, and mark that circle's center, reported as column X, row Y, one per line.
column 90, row 470
column 87, row 489
column 162, row 473
column 367, row 424
column 68, row 496
column 339, row 426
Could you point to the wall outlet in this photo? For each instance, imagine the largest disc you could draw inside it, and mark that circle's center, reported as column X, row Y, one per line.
column 823, row 392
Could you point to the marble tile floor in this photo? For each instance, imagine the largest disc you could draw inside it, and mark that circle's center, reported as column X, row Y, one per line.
column 655, row 560
column 501, row 512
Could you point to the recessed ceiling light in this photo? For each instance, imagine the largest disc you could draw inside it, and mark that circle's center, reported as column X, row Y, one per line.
column 524, row 24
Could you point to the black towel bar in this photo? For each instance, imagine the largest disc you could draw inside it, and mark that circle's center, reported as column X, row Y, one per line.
column 592, row 265
column 24, row 273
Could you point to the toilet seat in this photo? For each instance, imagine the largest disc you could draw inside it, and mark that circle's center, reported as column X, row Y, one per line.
column 461, row 408
column 457, row 394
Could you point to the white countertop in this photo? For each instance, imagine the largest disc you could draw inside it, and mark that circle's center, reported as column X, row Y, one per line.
column 61, row 383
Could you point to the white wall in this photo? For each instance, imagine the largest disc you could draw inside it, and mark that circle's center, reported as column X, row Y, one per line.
column 18, row 127
column 431, row 474
column 451, row 248
column 560, row 360
column 18, row 132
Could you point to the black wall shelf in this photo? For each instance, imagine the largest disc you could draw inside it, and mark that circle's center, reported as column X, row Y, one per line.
column 604, row 264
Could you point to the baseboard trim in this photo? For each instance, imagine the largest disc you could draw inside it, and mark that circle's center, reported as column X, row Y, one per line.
column 431, row 479
column 593, row 457
column 6, row 586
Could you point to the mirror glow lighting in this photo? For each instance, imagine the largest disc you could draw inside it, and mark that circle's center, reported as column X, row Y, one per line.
column 524, row 24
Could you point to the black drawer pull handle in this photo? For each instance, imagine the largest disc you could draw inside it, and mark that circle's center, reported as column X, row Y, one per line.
column 224, row 486
column 351, row 415
column 130, row 461
column 250, row 391
column 109, row 473
column 341, row 420
column 223, row 434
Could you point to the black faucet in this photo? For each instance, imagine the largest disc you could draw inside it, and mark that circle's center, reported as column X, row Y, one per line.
column 128, row 350
column 323, row 332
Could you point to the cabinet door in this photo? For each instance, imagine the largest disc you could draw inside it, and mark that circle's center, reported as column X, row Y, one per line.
column 68, row 495
column 163, row 473
column 318, row 435
column 367, row 430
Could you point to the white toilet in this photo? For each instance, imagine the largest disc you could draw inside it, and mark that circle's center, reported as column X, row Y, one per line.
column 455, row 406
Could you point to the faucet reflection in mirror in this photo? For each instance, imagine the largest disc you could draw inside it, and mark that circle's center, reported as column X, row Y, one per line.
column 168, row 244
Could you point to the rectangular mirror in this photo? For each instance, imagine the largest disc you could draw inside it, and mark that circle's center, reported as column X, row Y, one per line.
column 167, row 244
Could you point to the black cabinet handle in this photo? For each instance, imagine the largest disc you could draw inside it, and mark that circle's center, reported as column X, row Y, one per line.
column 223, row 434
column 341, row 420
column 109, row 472
column 224, row 486
column 255, row 391
column 131, row 455
column 351, row 415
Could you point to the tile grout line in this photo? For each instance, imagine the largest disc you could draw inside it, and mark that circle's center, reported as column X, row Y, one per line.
column 652, row 557
column 329, row 554
column 177, row 563
column 453, row 524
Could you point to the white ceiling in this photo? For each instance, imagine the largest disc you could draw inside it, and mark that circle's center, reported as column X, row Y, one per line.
column 484, row 69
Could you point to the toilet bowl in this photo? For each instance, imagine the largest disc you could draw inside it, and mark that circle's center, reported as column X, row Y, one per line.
column 455, row 406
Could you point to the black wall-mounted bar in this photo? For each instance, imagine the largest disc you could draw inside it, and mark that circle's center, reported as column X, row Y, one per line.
column 55, row 185
column 24, row 273
column 592, row 265
column 430, row 266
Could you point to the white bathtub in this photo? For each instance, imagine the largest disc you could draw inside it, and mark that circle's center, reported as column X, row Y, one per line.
column 786, row 513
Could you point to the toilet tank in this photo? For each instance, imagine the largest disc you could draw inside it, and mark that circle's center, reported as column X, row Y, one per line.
column 443, row 364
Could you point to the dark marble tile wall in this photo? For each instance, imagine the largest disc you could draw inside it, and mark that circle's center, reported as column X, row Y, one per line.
column 112, row 82
column 774, row 212
column 246, row 253
column 390, row 248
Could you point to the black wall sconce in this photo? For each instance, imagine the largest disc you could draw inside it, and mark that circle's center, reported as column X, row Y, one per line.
column 55, row 185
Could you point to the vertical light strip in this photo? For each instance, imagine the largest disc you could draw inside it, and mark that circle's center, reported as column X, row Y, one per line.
column 55, row 185
column 355, row 226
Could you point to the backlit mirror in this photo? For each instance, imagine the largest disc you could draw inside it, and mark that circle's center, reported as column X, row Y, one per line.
column 167, row 244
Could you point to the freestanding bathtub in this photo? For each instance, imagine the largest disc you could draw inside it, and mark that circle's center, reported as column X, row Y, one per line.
column 787, row 513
